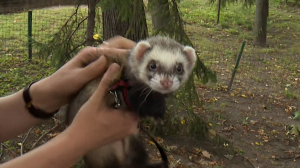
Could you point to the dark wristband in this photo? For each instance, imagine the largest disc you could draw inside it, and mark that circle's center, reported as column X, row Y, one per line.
column 37, row 113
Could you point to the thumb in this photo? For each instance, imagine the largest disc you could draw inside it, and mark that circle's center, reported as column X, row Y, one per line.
column 94, row 69
column 106, row 82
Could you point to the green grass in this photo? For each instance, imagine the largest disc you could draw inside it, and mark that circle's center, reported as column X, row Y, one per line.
column 219, row 44
column 16, row 70
column 292, row 95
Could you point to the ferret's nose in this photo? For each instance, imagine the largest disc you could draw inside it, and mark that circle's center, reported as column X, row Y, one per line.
column 166, row 83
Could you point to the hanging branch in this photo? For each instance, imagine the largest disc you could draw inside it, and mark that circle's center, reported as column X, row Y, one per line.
column 61, row 46
column 75, row 48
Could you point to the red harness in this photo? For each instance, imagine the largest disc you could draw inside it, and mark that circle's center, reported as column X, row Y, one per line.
column 124, row 86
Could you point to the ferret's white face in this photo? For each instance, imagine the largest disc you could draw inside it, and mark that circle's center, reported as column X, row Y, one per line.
column 163, row 69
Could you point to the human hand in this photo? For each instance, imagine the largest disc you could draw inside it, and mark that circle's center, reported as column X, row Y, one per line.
column 96, row 123
column 57, row 90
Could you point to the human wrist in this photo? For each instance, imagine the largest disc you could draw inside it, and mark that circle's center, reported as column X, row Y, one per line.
column 82, row 139
column 77, row 141
column 40, row 93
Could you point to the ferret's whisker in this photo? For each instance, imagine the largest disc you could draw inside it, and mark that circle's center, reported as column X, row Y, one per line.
column 144, row 101
column 144, row 90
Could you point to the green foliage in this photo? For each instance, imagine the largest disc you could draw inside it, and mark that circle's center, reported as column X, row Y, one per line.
column 297, row 115
column 66, row 42
column 187, row 97
column 292, row 94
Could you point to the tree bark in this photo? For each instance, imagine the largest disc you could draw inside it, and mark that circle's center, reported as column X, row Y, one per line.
column 160, row 13
column 91, row 22
column 260, row 23
column 134, row 28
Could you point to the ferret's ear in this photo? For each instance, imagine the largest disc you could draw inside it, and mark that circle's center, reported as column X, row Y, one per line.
column 191, row 55
column 140, row 49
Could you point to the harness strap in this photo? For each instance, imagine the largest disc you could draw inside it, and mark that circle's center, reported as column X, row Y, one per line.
column 124, row 86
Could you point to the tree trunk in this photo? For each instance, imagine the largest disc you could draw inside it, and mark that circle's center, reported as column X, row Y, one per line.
column 134, row 28
column 91, row 22
column 160, row 13
column 260, row 23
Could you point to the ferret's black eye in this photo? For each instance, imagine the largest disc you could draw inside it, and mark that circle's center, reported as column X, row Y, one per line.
column 179, row 69
column 152, row 66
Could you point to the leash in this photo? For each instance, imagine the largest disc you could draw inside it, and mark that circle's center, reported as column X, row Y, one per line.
column 160, row 149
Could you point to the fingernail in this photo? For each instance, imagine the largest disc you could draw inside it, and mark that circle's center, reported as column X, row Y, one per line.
column 114, row 67
column 101, row 48
column 102, row 59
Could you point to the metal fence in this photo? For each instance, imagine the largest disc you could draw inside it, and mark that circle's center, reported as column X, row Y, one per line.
column 18, row 26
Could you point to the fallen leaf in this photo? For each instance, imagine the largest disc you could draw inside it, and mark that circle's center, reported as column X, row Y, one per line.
column 151, row 142
column 171, row 148
column 243, row 95
column 212, row 133
column 196, row 150
column 229, row 157
column 206, row 154
column 52, row 135
column 37, row 131
column 159, row 140
column 253, row 122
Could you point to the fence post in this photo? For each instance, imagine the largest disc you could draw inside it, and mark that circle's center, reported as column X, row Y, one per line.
column 236, row 66
column 219, row 8
column 29, row 35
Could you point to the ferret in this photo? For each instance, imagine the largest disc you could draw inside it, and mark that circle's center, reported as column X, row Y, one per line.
column 155, row 68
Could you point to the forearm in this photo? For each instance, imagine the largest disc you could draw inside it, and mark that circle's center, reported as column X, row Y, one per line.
column 14, row 117
column 61, row 152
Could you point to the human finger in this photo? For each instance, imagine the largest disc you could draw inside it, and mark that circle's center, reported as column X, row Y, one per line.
column 119, row 42
column 106, row 82
column 114, row 52
column 87, row 56
column 94, row 69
